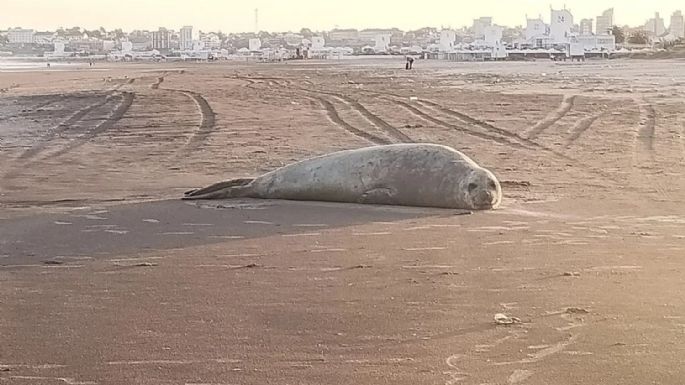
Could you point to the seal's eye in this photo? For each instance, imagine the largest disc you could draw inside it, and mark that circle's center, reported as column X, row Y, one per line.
column 472, row 186
column 492, row 185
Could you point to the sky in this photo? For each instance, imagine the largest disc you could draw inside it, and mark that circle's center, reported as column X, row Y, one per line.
column 291, row 15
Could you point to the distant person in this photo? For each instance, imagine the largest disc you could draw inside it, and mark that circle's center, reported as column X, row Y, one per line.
column 410, row 63
column 48, row 65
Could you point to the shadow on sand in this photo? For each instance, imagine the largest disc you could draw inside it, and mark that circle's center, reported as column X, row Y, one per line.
column 172, row 224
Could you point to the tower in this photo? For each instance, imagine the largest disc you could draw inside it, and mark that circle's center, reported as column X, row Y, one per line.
column 256, row 20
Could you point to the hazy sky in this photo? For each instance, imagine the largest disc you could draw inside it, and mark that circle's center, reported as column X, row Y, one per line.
column 284, row 15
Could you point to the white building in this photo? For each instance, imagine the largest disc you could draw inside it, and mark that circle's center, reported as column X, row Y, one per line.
column 586, row 27
column 655, row 26
column 343, row 34
column 493, row 36
column 161, row 39
column 20, row 36
column 43, row 38
column 211, row 41
column 447, row 39
column 597, row 42
column 479, row 26
column 499, row 51
column 535, row 28
column 605, row 22
column 318, row 42
column 186, row 38
column 371, row 34
column 254, row 45
column 126, row 46
column 382, row 42
column 561, row 24
column 59, row 48
column 198, row 45
column 677, row 25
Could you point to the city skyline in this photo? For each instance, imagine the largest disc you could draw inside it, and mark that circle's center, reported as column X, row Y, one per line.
column 238, row 16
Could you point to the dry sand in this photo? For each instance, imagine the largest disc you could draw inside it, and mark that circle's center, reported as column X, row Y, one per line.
column 107, row 278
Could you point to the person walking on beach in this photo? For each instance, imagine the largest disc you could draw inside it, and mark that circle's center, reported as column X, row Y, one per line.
column 410, row 63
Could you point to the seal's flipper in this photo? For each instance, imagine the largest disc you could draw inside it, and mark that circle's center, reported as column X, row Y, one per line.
column 379, row 196
column 229, row 189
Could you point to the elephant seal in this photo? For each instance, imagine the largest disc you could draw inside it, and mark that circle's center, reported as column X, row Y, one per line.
column 427, row 175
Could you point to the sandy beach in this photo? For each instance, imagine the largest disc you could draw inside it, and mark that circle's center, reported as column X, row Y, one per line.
column 107, row 277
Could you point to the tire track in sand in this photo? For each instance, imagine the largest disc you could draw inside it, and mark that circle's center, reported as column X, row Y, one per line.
column 65, row 125
column 127, row 99
column 580, row 127
column 645, row 163
column 423, row 115
column 464, row 118
column 207, row 119
column 682, row 137
column 159, row 81
column 337, row 120
column 566, row 105
column 378, row 121
column 647, row 126
column 334, row 115
column 375, row 120
column 207, row 116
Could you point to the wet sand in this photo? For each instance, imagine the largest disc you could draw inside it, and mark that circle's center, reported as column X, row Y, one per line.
column 107, row 278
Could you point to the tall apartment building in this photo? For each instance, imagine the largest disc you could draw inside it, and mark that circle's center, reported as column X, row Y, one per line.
column 605, row 22
column 186, row 38
column 677, row 24
column 161, row 39
column 586, row 27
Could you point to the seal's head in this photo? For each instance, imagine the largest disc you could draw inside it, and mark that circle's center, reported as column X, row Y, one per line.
column 481, row 190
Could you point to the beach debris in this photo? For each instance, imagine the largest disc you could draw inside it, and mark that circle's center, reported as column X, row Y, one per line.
column 503, row 319
column 145, row 264
column 576, row 310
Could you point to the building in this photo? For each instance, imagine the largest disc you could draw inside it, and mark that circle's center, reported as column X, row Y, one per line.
column 677, row 26
column 294, row 39
column 318, row 42
column 126, row 46
column 382, row 42
column 43, row 38
column 20, row 36
column 493, row 36
column 186, row 38
column 605, row 22
column 161, row 39
column 108, row 45
column 592, row 43
column 254, row 45
column 561, row 23
column 448, row 38
column 210, row 41
column 655, row 26
column 343, row 34
column 586, row 27
column 479, row 26
column 370, row 35
column 535, row 29
column 85, row 45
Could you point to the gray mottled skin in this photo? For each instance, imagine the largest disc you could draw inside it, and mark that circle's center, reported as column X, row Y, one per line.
column 426, row 175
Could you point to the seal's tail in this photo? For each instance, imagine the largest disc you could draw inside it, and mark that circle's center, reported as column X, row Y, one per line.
column 234, row 188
